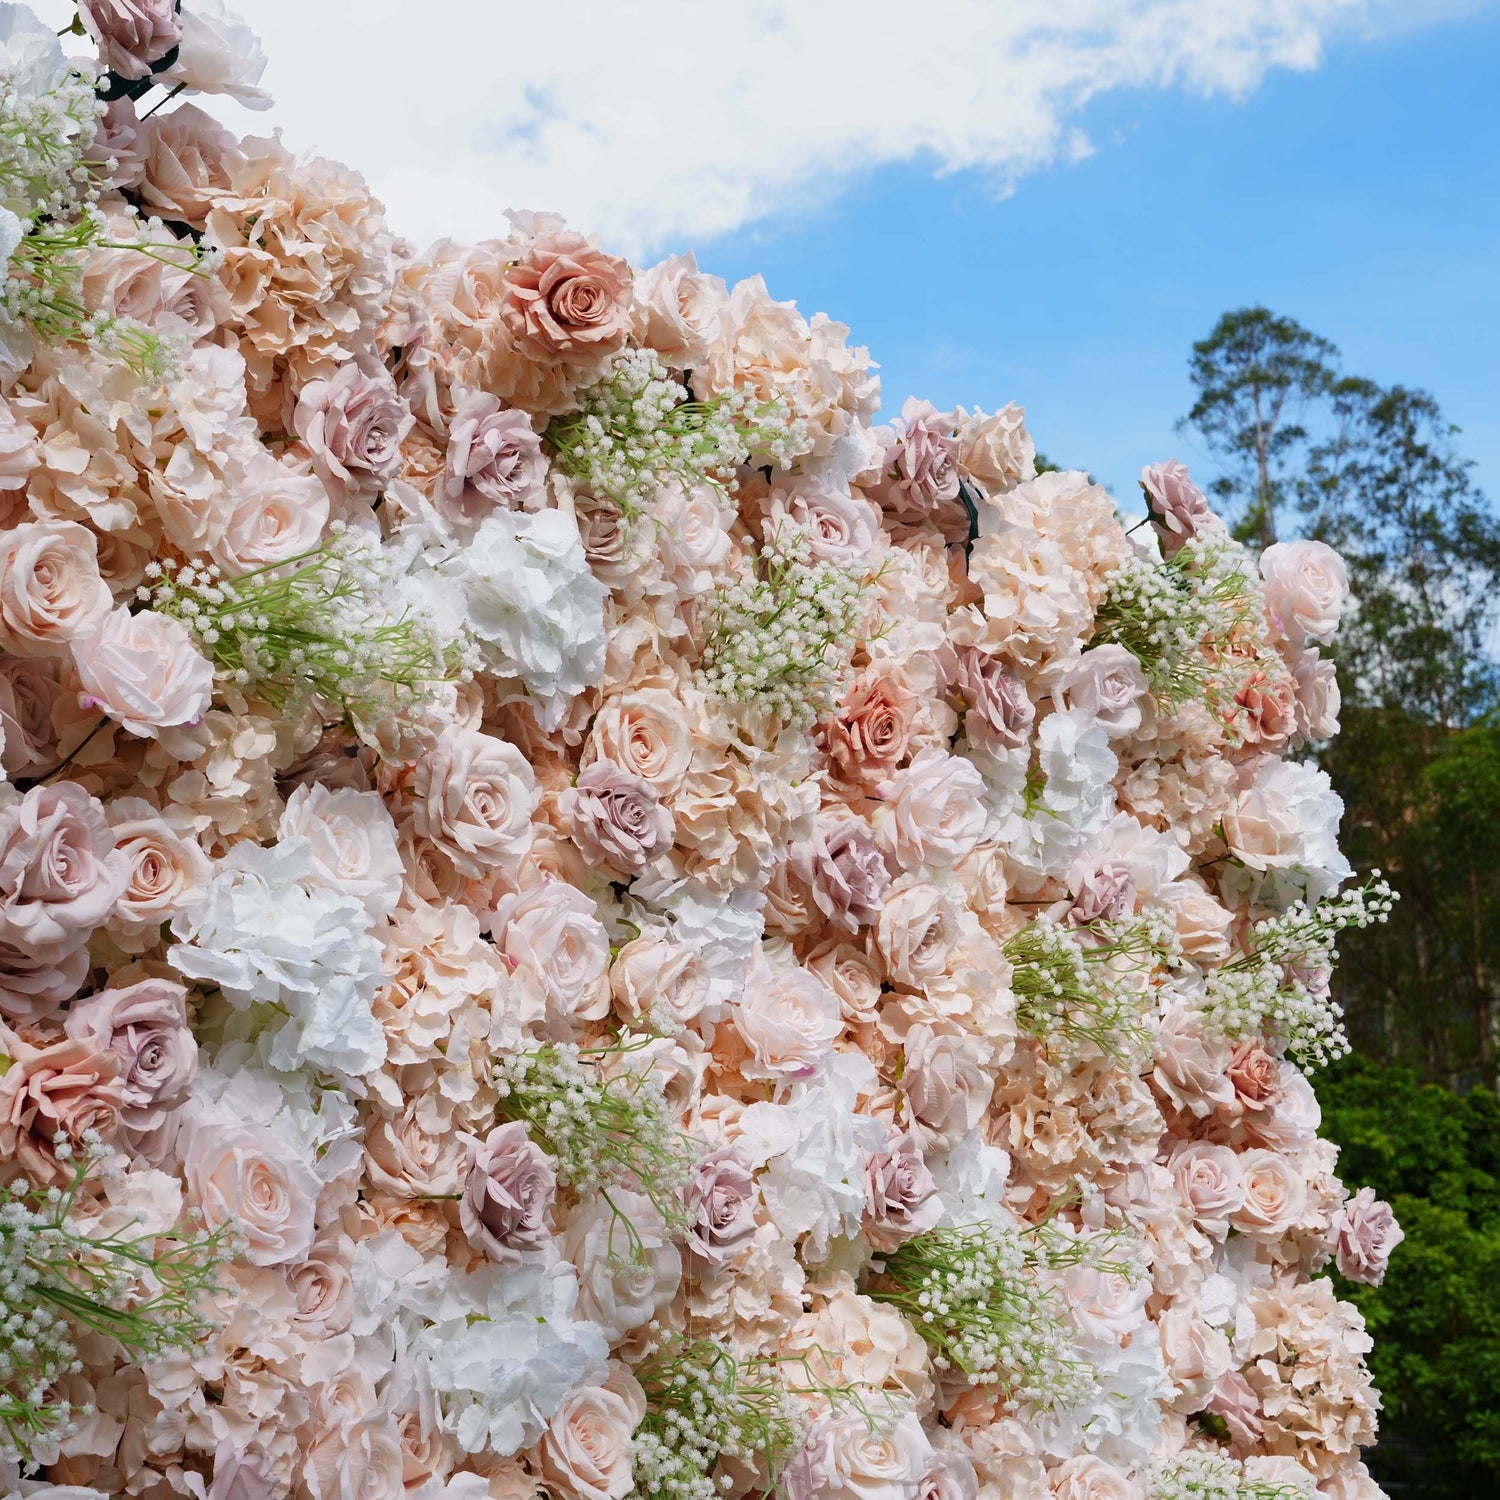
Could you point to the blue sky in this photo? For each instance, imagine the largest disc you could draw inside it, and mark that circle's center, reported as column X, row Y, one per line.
column 1362, row 198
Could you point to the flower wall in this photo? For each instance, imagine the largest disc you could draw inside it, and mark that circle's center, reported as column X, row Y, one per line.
column 578, row 917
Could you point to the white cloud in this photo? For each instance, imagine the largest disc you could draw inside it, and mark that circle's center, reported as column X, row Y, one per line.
column 664, row 122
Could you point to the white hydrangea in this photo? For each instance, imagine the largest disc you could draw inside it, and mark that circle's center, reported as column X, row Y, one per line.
column 533, row 606
column 265, row 933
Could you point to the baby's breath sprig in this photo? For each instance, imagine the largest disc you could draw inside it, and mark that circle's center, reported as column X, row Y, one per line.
column 1278, row 987
column 603, row 1128
column 1075, row 995
column 311, row 630
column 1174, row 615
column 974, row 1295
column 637, row 429
column 779, row 638
column 704, row 1405
column 144, row 1291
column 1205, row 1475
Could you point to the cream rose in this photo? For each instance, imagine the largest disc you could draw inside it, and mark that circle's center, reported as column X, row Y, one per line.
column 1275, row 1195
column 51, row 593
column 144, row 672
column 352, row 841
column 243, row 1174
column 654, row 969
column 585, row 1451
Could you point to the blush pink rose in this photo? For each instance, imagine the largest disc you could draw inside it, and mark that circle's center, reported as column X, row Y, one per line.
column 788, row 1021
column 145, row 1026
column 565, row 300
column 932, row 812
column 1211, row 1182
column 51, row 592
column 60, row 874
column 474, row 795
column 190, row 160
column 1103, row 891
column 509, row 1187
column 585, row 1453
column 945, row 1086
column 1306, row 584
column 1364, row 1234
column 1275, row 1195
column 144, row 672
column 1233, row 1399
column 494, row 460
column 55, row 1095
column 1105, row 686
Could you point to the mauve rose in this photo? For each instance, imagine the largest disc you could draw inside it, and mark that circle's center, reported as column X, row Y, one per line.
column 872, row 726
column 1103, row 891
column 845, row 870
column 566, row 300
column 494, row 460
column 900, row 1194
column 118, row 137
column 1234, row 1401
column 1105, row 686
column 60, row 874
column 144, row 672
column 1178, row 506
column 145, row 1026
column 998, row 712
column 722, row 1198
column 50, row 589
column 132, row 34
column 353, row 424
column 507, row 1196
column 946, row 1088
column 56, row 1094
column 922, row 482
column 1305, row 585
column 1363, row 1234
column 616, row 818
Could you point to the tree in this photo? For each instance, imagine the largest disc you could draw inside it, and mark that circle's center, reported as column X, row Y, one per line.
column 1255, row 375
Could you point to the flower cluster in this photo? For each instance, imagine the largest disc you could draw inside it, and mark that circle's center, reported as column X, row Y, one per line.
column 580, row 918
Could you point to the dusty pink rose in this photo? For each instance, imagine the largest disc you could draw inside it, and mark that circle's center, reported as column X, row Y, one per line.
column 1364, row 1233
column 353, row 424
column 1255, row 1077
column 60, row 874
column 1105, row 686
column 1178, row 507
column 1103, row 891
column 118, row 137
column 509, row 1186
column 132, row 34
column 145, row 1026
column 900, row 1194
column 494, row 460
column 1305, row 585
column 722, row 1198
column 50, row 589
column 55, row 1095
column 945, row 1086
column 566, row 300
column 1211, row 1182
column 921, row 481
column 840, row 526
column 845, row 870
column 246, row 1175
column 615, row 818
column 870, row 731
column 145, row 672
column 998, row 712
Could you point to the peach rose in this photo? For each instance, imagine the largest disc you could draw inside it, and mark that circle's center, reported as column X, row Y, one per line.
column 1203, row 922
column 245, row 1175
column 414, row 1153
column 145, row 672
column 647, row 732
column 585, row 1451
column 164, row 872
column 1275, row 1195
column 474, row 796
column 869, row 733
column 678, row 311
column 51, row 1096
column 60, row 873
column 566, row 300
column 1088, row 1477
column 1269, row 702
column 145, row 1026
column 50, row 589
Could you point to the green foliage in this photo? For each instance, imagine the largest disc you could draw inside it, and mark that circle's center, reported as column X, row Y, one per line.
column 1435, row 1155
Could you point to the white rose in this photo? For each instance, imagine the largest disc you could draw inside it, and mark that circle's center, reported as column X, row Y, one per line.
column 352, row 841
column 219, row 54
column 628, row 1270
